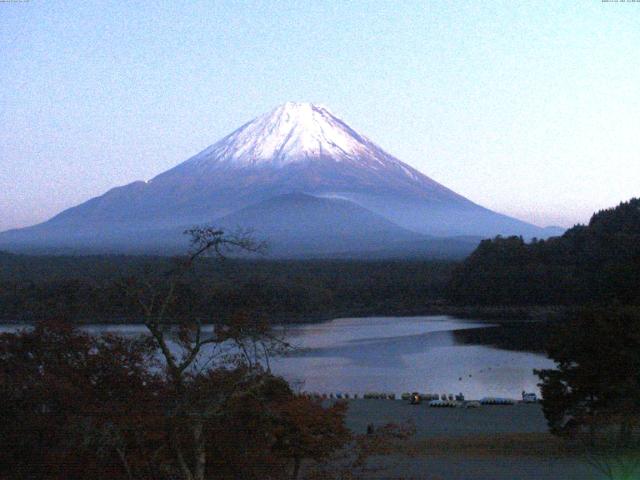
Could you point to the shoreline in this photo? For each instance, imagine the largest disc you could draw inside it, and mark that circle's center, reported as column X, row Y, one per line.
column 489, row 314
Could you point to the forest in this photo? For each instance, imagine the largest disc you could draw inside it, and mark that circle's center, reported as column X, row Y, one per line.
column 95, row 288
column 594, row 264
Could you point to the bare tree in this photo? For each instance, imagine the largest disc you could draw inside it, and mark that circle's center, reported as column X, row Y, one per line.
column 188, row 352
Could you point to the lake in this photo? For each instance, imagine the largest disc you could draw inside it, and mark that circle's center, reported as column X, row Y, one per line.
column 393, row 354
column 403, row 354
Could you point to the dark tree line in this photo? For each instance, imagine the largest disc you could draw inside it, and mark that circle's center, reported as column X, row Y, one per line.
column 91, row 288
column 594, row 264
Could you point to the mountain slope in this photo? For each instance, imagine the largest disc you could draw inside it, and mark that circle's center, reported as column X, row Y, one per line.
column 303, row 225
column 296, row 148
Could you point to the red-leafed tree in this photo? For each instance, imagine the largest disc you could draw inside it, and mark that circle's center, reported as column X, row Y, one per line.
column 307, row 430
column 76, row 405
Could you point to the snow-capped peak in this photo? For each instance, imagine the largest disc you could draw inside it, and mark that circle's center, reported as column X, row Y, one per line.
column 292, row 132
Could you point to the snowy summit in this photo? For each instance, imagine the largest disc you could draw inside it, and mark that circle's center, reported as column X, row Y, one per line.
column 293, row 132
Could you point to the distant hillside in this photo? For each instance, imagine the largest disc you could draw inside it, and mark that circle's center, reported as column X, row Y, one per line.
column 301, row 225
column 596, row 263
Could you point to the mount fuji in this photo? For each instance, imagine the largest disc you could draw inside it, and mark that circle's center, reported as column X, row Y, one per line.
column 298, row 176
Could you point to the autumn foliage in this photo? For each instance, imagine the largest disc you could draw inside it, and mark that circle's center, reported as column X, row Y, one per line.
column 82, row 406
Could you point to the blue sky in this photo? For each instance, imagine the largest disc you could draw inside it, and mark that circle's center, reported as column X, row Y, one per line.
column 528, row 108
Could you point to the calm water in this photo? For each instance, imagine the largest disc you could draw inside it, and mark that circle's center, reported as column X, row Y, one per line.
column 394, row 354
column 404, row 354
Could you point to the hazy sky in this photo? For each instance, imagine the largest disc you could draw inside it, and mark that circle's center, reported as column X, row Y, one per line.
column 528, row 108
